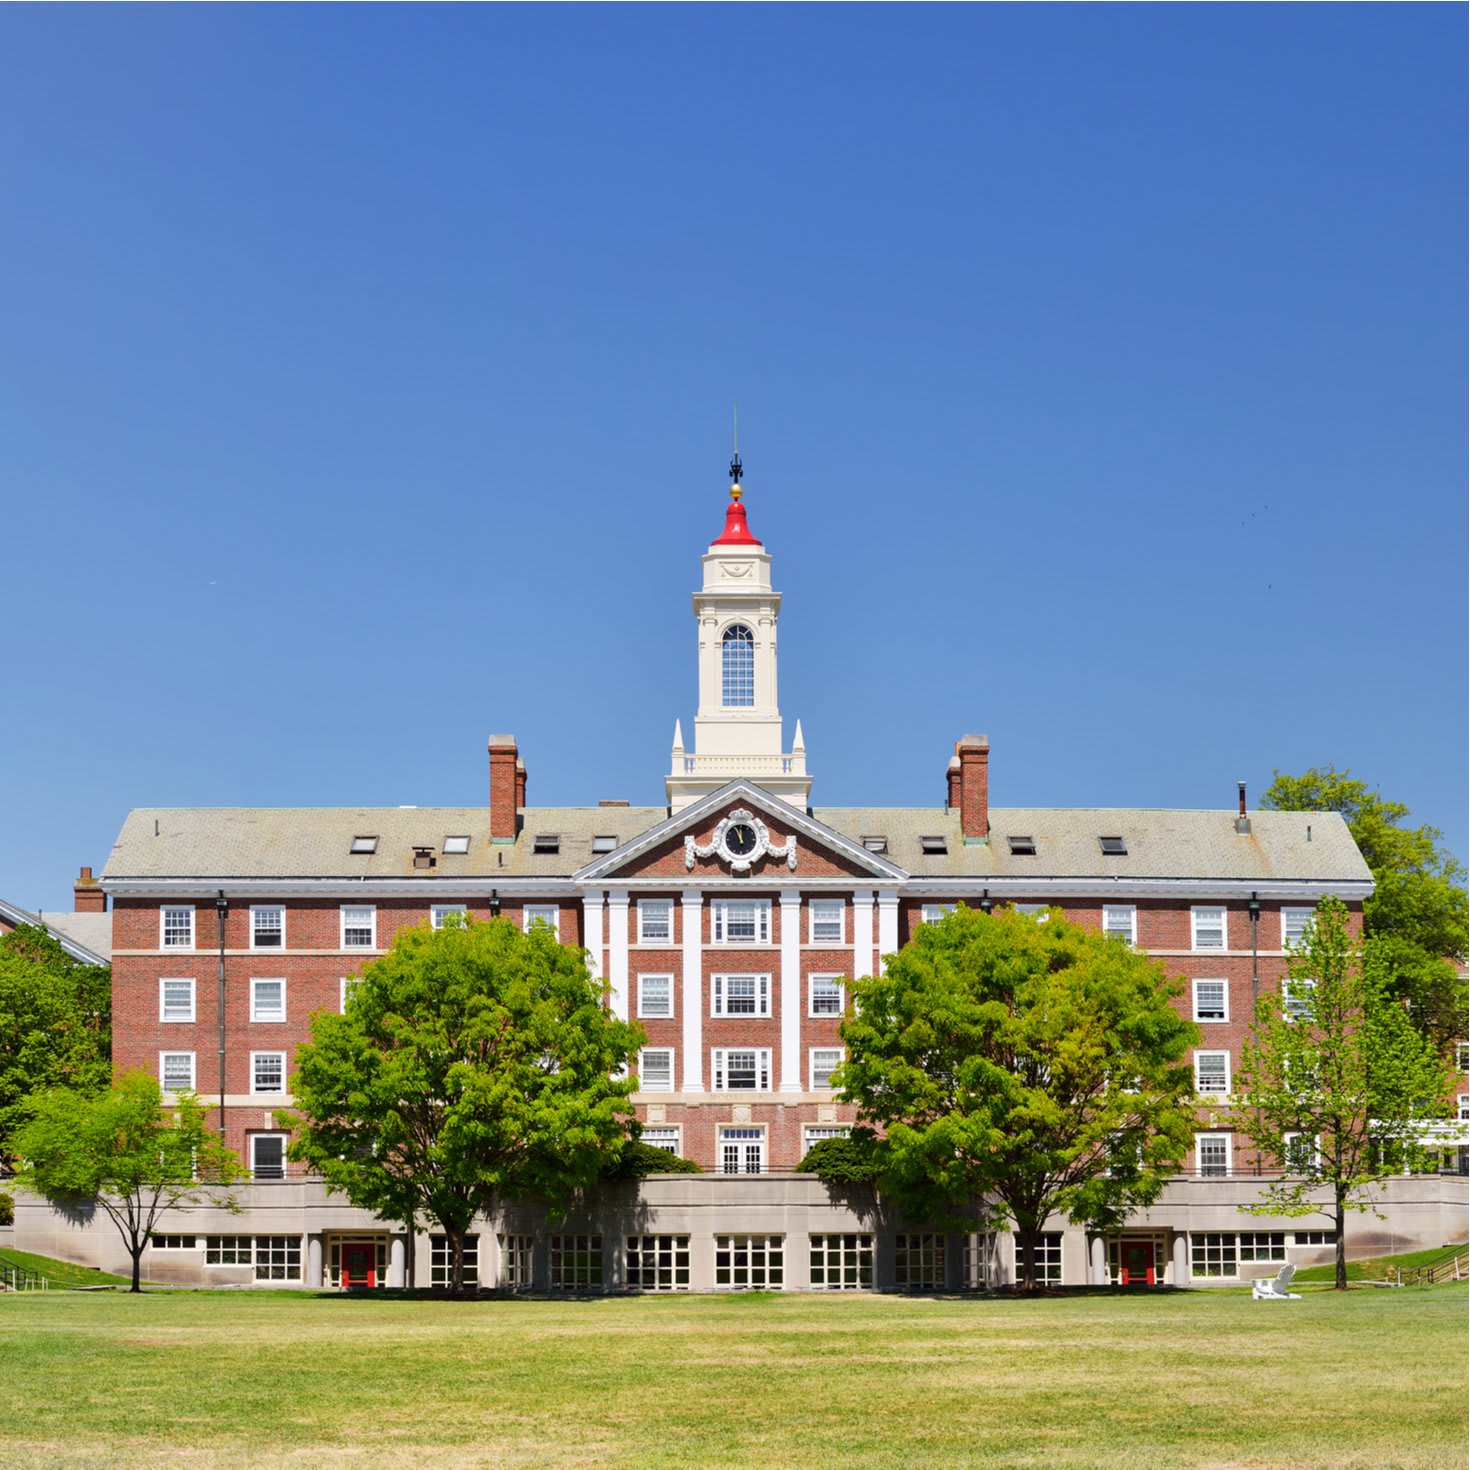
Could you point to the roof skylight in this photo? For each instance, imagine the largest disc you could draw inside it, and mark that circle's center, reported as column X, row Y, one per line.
column 1022, row 846
column 1113, row 846
column 933, row 846
column 605, row 843
column 876, row 844
column 454, row 845
column 546, row 842
column 364, row 844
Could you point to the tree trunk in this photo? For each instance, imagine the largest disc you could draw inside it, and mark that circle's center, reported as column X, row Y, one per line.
column 456, row 1262
column 135, row 1250
column 1340, row 1284
column 1026, row 1257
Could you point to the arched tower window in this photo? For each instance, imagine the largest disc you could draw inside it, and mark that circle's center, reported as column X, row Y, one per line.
column 737, row 667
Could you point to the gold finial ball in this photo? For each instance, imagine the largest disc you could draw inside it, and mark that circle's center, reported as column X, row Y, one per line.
column 735, row 491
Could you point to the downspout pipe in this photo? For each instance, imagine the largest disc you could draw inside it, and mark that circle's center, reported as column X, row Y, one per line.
column 221, row 908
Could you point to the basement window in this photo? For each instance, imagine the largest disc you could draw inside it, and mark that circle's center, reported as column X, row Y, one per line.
column 456, row 845
column 1113, row 846
column 546, row 842
column 1022, row 846
column 933, row 846
column 365, row 844
column 604, row 844
column 876, row 844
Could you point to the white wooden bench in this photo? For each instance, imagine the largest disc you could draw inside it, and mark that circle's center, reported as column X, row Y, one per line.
column 1274, row 1288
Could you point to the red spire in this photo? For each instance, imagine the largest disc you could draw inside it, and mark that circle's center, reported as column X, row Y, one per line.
column 737, row 533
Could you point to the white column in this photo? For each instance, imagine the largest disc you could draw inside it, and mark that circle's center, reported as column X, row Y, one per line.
column 692, row 913
column 1181, row 1260
column 862, row 934
column 887, row 921
column 592, row 930
column 396, row 1257
column 792, row 1079
column 314, row 1276
column 1099, row 1252
column 617, row 952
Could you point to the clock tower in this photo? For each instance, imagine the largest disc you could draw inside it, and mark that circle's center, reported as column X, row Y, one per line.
column 737, row 730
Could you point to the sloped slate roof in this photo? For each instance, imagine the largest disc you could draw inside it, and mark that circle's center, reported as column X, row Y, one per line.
column 315, row 842
column 85, row 937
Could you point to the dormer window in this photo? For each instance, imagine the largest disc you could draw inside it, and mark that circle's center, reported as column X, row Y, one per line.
column 546, row 843
column 933, row 846
column 737, row 667
column 1022, row 846
column 365, row 846
column 1113, row 846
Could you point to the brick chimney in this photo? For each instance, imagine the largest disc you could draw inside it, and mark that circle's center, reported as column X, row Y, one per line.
column 88, row 895
column 520, row 783
column 505, row 786
column 952, row 784
column 973, row 753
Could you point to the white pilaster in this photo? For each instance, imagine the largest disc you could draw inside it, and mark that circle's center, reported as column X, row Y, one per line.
column 887, row 921
column 791, row 1059
column 862, row 934
column 592, row 930
column 691, row 903
column 617, row 952
column 397, row 1257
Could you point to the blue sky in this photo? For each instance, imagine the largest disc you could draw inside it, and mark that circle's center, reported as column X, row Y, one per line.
column 365, row 385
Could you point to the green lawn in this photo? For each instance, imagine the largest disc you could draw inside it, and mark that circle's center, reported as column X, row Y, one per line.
column 1379, row 1268
column 59, row 1273
column 1363, row 1380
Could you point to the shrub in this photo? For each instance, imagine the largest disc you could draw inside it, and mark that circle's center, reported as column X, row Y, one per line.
column 7, row 1209
column 641, row 1159
column 847, row 1160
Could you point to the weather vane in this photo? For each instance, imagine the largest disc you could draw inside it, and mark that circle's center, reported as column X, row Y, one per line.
column 735, row 466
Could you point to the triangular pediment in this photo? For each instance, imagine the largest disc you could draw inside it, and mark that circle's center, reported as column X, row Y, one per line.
column 787, row 831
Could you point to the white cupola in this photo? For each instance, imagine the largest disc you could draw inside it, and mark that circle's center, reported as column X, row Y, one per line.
column 737, row 730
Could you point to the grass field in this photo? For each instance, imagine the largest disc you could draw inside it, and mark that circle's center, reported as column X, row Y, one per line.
column 59, row 1273
column 1363, row 1380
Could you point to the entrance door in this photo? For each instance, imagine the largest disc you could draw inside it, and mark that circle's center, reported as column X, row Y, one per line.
column 359, row 1263
column 1136, row 1263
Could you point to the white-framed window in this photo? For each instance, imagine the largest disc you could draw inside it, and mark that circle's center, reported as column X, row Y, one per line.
column 932, row 913
column 515, row 1262
column 438, row 912
column 1303, row 1152
column 268, row 1157
column 267, row 1071
column 545, row 913
column 740, row 995
column 750, row 1262
column 228, row 1250
column 656, row 996
column 278, row 1258
column 1121, row 919
column 1314, row 1237
column 824, row 1061
column 1212, row 1073
column 918, row 1261
column 737, row 667
column 440, row 1260
column 576, row 1263
column 1212, row 1253
column 741, row 1068
column 740, row 921
column 826, row 995
column 1211, row 1000
column 742, row 1150
column 1207, row 927
column 267, row 1000
column 658, row 1262
column 841, row 1262
column 1296, row 999
column 817, row 1132
column 1294, row 926
column 826, row 921
column 176, row 1071
column 1212, row 1155
column 656, row 1069
column 174, row 1242
column 1464, row 1107
column 664, row 1138
column 978, row 1259
column 176, row 926
column 1048, row 1257
column 349, row 983
column 359, row 926
column 655, row 921
column 267, row 926
column 175, row 1000
column 1462, row 1056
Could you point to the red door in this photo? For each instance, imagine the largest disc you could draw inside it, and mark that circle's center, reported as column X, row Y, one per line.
column 1136, row 1263
column 359, row 1264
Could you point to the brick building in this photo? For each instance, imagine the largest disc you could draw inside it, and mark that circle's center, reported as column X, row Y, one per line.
column 728, row 922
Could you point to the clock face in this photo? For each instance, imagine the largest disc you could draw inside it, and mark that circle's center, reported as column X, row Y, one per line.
column 740, row 839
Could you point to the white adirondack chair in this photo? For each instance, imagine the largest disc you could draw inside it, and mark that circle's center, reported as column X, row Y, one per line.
column 1274, row 1288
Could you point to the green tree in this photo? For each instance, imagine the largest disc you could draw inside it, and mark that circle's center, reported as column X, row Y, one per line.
column 55, row 1024
column 124, row 1153
column 473, row 1063
column 1416, row 918
column 1024, row 1067
column 1337, row 1080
